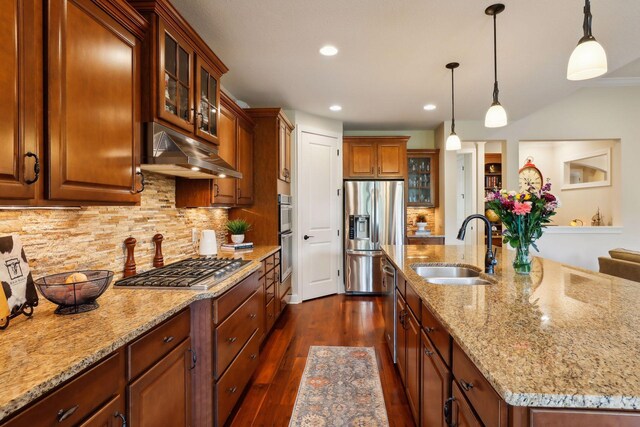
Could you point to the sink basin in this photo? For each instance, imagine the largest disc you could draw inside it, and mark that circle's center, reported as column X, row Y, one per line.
column 445, row 271
column 450, row 275
column 458, row 281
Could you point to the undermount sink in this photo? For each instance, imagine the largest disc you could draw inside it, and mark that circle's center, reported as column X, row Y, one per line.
column 450, row 275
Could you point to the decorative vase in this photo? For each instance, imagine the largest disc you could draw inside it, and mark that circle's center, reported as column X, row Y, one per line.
column 237, row 238
column 522, row 261
column 422, row 226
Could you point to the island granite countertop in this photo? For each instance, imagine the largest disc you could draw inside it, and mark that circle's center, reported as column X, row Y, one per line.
column 42, row 352
column 561, row 337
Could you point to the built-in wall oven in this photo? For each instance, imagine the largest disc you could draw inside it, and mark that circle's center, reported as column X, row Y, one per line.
column 285, row 233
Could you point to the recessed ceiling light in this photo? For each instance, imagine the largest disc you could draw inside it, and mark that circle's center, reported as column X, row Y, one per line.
column 195, row 168
column 328, row 50
column 429, row 107
column 335, row 108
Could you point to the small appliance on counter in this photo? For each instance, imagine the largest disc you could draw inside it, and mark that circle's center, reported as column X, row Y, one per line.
column 17, row 293
column 208, row 244
column 195, row 274
column 75, row 292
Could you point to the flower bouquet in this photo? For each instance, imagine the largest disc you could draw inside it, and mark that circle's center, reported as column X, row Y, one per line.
column 524, row 216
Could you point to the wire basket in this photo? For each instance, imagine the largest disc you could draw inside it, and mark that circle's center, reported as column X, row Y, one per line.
column 74, row 297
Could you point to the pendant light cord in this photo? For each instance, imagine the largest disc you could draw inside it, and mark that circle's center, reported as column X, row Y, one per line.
column 453, row 108
column 586, row 24
column 495, row 63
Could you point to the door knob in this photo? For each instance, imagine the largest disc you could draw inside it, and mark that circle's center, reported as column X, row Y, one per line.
column 306, row 237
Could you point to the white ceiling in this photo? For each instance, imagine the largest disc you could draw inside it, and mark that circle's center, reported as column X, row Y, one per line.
column 393, row 54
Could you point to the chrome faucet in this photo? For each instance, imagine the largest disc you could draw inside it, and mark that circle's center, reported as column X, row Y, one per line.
column 490, row 257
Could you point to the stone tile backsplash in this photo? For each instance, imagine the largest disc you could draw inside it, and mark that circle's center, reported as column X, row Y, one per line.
column 92, row 237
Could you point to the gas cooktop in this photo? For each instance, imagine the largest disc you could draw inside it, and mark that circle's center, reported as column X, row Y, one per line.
column 194, row 273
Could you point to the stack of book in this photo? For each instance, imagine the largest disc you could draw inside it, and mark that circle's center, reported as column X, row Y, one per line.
column 244, row 246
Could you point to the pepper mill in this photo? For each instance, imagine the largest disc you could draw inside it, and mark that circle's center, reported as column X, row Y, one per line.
column 158, row 259
column 130, row 263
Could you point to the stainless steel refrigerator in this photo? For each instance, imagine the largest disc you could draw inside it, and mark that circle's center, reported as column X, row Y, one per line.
column 373, row 216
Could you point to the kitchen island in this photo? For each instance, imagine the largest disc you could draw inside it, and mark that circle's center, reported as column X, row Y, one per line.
column 562, row 337
column 42, row 352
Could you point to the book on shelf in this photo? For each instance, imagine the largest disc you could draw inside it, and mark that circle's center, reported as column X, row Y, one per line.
column 237, row 246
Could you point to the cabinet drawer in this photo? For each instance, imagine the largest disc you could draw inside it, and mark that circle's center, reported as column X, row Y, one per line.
column 271, row 277
column 401, row 284
column 413, row 300
column 234, row 332
column 438, row 334
column 229, row 389
column 270, row 262
column 152, row 346
column 462, row 413
column 230, row 300
column 86, row 393
column 556, row 417
column 271, row 314
column 491, row 409
column 269, row 293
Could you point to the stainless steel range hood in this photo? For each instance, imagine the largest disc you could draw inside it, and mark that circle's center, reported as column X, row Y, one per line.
column 170, row 153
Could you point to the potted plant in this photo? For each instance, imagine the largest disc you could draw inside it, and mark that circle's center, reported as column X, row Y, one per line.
column 237, row 228
column 421, row 222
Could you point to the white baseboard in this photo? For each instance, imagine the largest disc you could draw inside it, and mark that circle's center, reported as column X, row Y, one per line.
column 293, row 299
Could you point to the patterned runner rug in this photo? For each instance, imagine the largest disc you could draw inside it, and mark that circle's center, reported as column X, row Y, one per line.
column 340, row 386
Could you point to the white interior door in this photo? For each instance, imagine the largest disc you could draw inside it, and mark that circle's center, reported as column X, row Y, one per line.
column 319, row 210
column 466, row 194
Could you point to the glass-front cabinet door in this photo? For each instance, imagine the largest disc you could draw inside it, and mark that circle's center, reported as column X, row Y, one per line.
column 175, row 80
column 422, row 176
column 207, row 101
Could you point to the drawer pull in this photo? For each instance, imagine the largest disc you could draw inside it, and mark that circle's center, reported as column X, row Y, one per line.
column 465, row 385
column 122, row 417
column 428, row 329
column 232, row 339
column 232, row 389
column 270, row 315
column 253, row 356
column 447, row 411
column 63, row 415
column 253, row 316
column 428, row 352
column 194, row 359
column 168, row 339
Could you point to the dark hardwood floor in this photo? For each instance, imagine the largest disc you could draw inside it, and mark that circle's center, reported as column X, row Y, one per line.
column 335, row 320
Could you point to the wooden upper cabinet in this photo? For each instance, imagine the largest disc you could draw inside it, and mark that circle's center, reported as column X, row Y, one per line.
column 93, row 104
column 224, row 189
column 244, row 186
column 20, row 99
column 207, row 101
column 185, row 93
column 284, row 151
column 175, row 78
column 375, row 157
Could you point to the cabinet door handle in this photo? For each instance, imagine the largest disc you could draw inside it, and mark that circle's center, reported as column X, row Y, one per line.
column 253, row 356
column 253, row 316
column 216, row 187
column 134, row 191
column 428, row 329
column 465, row 385
column 232, row 389
column 232, row 339
column 64, row 414
column 371, row 170
column 378, row 170
column 194, row 359
column 122, row 418
column 168, row 339
column 448, row 412
column 36, row 168
column 428, row 352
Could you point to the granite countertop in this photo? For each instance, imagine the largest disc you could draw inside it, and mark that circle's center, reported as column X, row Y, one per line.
column 413, row 235
column 561, row 337
column 43, row 351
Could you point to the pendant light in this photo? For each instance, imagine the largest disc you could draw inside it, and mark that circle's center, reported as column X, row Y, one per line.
column 453, row 141
column 496, row 115
column 588, row 59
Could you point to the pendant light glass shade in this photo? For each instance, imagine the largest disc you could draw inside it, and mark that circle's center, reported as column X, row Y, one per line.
column 453, row 142
column 588, row 59
column 496, row 116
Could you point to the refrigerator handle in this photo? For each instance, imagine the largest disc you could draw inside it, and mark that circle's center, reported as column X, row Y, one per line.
column 374, row 224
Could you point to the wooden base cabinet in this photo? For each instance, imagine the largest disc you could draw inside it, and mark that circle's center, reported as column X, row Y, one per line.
column 162, row 395
column 435, row 386
column 112, row 414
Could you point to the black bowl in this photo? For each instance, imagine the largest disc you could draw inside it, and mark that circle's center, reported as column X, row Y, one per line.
column 75, row 297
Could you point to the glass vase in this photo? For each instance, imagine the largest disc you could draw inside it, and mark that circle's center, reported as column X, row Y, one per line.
column 522, row 261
